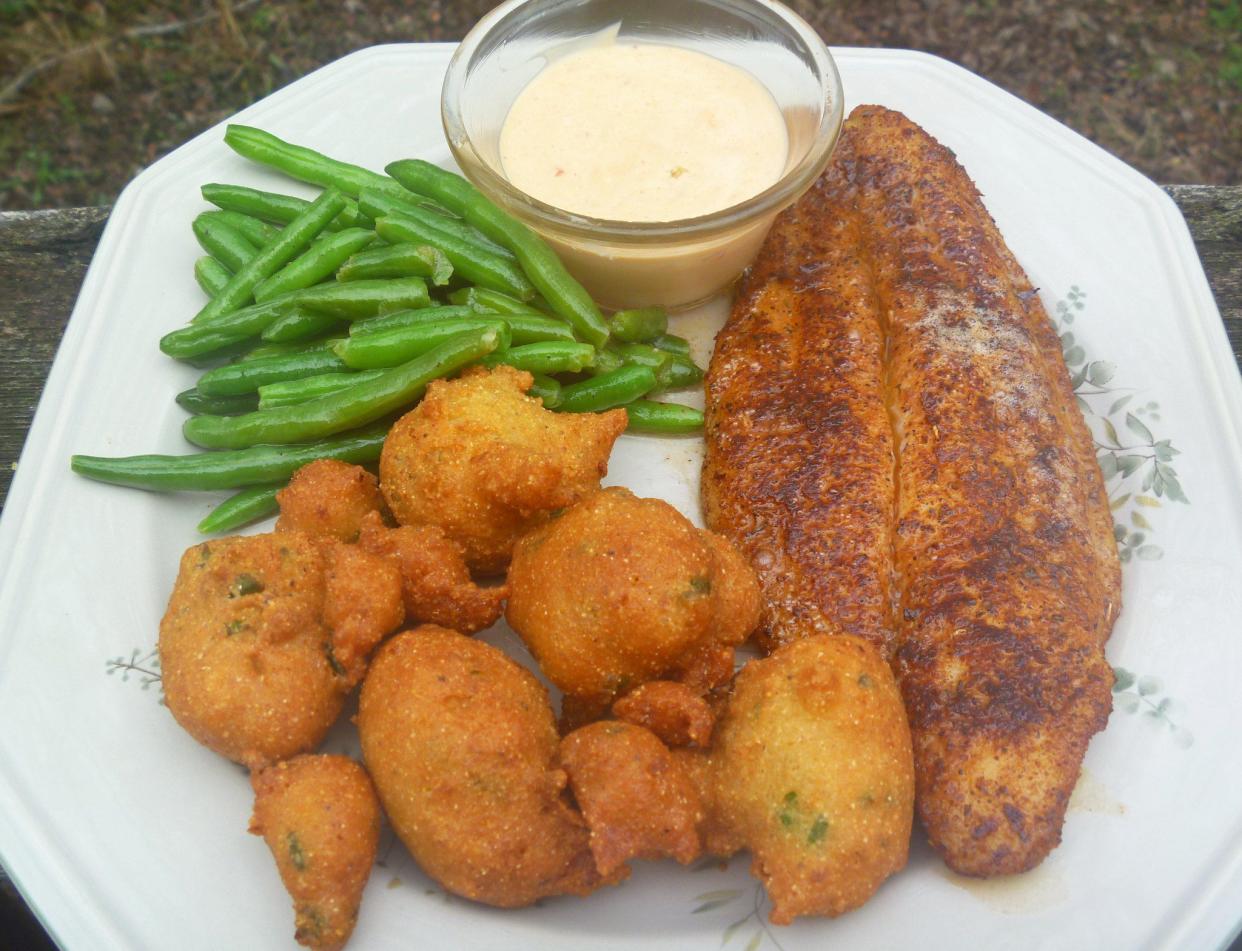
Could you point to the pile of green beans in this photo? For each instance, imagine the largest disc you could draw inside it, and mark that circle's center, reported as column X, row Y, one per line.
column 327, row 318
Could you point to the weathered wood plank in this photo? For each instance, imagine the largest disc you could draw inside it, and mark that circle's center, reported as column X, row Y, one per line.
column 43, row 258
column 1214, row 214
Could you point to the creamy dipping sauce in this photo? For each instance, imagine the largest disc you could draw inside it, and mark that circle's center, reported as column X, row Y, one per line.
column 646, row 132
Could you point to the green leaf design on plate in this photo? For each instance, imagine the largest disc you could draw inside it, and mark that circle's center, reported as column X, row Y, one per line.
column 728, row 894
column 1137, row 467
column 1100, row 372
column 1142, row 694
column 143, row 666
column 756, row 916
column 710, row 901
column 1136, row 426
column 1120, row 404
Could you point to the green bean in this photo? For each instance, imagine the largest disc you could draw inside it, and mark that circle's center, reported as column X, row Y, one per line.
column 197, row 402
column 551, row 357
column 272, row 257
column 255, row 231
column 229, row 350
column 388, row 348
column 672, row 343
column 648, row 416
column 640, row 354
column 392, row 390
column 289, row 392
column 224, row 243
column 469, row 261
column 297, row 325
column 282, row 209
column 406, row 318
column 314, row 264
column 398, row 260
column 607, row 360
column 355, row 300
column 262, row 350
column 206, row 337
column 209, row 471
column 306, row 164
column 350, row 301
column 248, row 505
column 565, row 295
column 489, row 301
column 536, row 328
column 206, row 346
column 680, row 373
column 247, row 376
column 211, row 275
column 599, row 393
column 639, row 325
column 547, row 389
column 528, row 324
column 380, row 205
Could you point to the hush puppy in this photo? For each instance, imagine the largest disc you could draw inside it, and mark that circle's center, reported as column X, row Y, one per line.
column 321, row 819
column 244, row 651
column 811, row 769
column 461, row 743
column 363, row 604
column 621, row 590
column 486, row 463
column 670, row 710
column 635, row 797
column 436, row 586
column 328, row 498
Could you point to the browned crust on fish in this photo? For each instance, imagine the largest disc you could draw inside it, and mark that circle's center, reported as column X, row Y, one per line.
column 799, row 470
column 1003, row 565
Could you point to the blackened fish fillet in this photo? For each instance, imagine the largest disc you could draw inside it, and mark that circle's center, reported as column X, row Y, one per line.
column 799, row 469
column 987, row 560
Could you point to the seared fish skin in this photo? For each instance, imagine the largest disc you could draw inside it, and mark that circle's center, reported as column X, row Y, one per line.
column 1003, row 566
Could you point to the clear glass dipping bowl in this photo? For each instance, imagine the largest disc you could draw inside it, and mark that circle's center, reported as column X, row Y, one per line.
column 680, row 263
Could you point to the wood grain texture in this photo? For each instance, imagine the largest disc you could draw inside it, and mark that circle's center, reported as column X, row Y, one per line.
column 43, row 258
column 1214, row 214
column 44, row 255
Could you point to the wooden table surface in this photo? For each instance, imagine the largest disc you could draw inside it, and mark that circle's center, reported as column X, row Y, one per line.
column 44, row 255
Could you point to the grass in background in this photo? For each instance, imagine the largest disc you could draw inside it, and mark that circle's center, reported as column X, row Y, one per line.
column 91, row 92
column 1226, row 19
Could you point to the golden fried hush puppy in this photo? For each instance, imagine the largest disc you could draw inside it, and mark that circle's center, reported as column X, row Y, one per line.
column 637, row 801
column 486, row 463
column 328, row 498
column 244, row 651
column 621, row 590
column 811, row 769
column 670, row 710
column 461, row 743
column 435, row 582
column 363, row 603
column 321, row 819
column 735, row 593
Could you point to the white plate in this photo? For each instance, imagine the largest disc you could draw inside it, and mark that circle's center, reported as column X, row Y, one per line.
column 123, row 833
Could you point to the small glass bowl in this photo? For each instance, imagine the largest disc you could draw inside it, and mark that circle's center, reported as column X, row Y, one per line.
column 676, row 264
